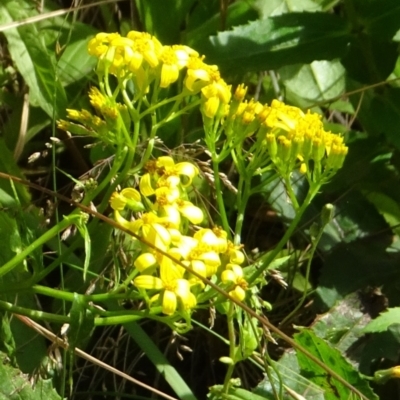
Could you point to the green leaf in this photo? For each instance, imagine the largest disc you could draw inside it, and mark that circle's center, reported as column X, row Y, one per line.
column 388, row 208
column 384, row 320
column 238, row 13
column 318, row 81
column 342, row 326
column 333, row 359
column 370, row 60
column 32, row 58
column 75, row 62
column 14, row 385
column 380, row 19
column 277, row 7
column 287, row 371
column 163, row 19
column 277, row 41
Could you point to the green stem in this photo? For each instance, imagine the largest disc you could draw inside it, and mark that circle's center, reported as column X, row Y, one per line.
column 244, row 192
column 307, row 277
column 232, row 342
column 290, row 192
column 36, row 315
column 220, row 199
column 265, row 260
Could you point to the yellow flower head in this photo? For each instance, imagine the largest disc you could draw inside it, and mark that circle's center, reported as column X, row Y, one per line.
column 173, row 59
column 234, row 274
column 175, row 289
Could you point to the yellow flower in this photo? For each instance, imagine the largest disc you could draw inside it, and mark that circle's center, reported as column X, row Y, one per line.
column 234, row 274
column 119, row 200
column 216, row 94
column 173, row 59
column 174, row 288
column 199, row 74
column 145, row 47
column 214, row 240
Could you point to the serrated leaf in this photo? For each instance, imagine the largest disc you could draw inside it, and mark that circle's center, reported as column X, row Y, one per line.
column 295, row 38
column 384, row 321
column 333, row 359
column 16, row 386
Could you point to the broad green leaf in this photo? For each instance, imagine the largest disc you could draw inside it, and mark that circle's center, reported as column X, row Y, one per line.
column 384, row 320
column 277, row 41
column 380, row 19
column 32, row 58
column 343, row 324
column 333, row 359
column 356, row 265
column 287, row 371
column 387, row 207
column 163, row 19
column 318, row 81
column 277, row 7
column 14, row 385
column 368, row 59
column 75, row 62
column 238, row 13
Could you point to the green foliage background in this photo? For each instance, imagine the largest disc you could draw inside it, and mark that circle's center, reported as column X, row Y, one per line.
column 339, row 58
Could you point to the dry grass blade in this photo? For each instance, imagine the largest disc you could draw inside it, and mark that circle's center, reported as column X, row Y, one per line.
column 62, row 343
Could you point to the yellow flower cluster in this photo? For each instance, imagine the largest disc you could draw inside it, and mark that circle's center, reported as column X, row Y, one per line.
column 163, row 193
column 143, row 59
column 293, row 138
column 105, row 125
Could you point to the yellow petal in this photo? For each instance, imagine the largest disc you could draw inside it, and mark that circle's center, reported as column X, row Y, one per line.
column 169, row 75
column 182, row 289
column 211, row 107
column 131, row 193
column 169, row 271
column 145, row 185
column 148, row 282
column 236, row 257
column 190, row 211
column 117, row 201
column 238, row 293
column 144, row 261
column 228, row 276
column 166, row 162
column 188, row 170
column 169, row 302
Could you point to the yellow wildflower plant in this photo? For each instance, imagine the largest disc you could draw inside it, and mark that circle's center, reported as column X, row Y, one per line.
column 258, row 137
